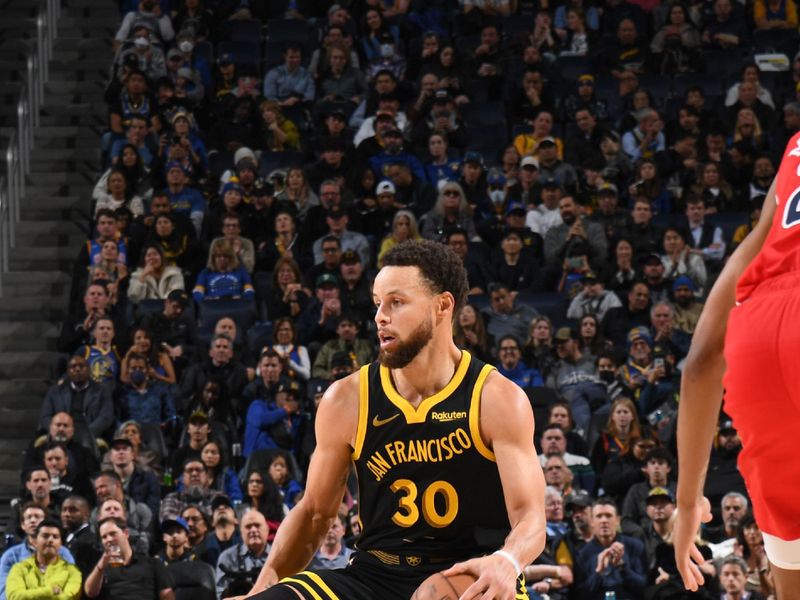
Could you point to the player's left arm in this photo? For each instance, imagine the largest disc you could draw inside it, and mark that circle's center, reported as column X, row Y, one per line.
column 506, row 427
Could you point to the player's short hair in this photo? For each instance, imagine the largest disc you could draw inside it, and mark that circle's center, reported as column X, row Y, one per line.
column 441, row 268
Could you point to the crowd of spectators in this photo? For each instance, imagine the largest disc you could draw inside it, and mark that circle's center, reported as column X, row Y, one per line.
column 593, row 164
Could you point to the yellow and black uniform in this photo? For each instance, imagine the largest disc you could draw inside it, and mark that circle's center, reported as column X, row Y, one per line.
column 429, row 489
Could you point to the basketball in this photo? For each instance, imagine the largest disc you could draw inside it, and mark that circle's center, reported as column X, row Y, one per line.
column 440, row 587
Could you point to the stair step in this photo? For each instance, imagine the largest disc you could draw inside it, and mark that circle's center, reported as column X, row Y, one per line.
column 41, row 329
column 22, row 387
column 25, row 228
column 38, row 276
column 32, row 363
column 29, row 303
column 57, row 179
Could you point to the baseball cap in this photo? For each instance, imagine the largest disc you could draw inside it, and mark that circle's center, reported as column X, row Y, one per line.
column 515, row 207
column 551, row 182
column 338, row 113
column 580, row 498
column 441, row 97
column 392, row 133
column 226, row 58
column 563, row 334
column 384, row 114
column 290, row 387
column 243, row 153
column 639, row 333
column 184, row 73
column 385, row 187
column 651, row 258
column 174, row 53
column 198, row 416
column 221, row 500
column 495, row 177
column 589, row 277
column 130, row 60
column 179, row 296
column 179, row 521
column 263, row 188
column 657, row 493
column 326, row 279
column 474, row 157
column 548, row 141
column 121, row 441
column 349, row 257
column 174, row 164
column 726, row 425
column 231, row 186
column 529, row 161
column 608, row 189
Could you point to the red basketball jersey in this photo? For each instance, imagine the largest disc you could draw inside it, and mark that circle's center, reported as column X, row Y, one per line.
column 781, row 250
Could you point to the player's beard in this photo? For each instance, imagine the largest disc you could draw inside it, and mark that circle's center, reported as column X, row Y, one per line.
column 407, row 351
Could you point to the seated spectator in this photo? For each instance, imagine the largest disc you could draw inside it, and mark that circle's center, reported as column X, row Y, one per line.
column 294, row 356
column 504, row 315
column 196, row 517
column 538, row 351
column 750, row 74
column 578, row 38
column 527, row 144
column 574, row 377
column 685, row 305
column 116, row 194
column 333, row 164
column 283, row 476
column 646, row 138
column 339, row 80
column 175, row 535
column 546, row 215
column 518, row 266
column 102, row 357
column 175, row 238
column 337, row 221
column 277, row 423
column 196, row 491
column 46, row 574
column 622, row 271
column 751, row 545
column 359, row 351
column 278, row 134
column 61, row 430
column 239, row 565
column 715, row 190
column 611, row 561
column 154, row 279
column 775, row 14
column 590, row 340
column 138, row 484
column 222, row 476
column 705, row 239
column 723, row 477
column 404, row 227
column 145, row 458
column 726, row 29
column 511, row 365
column 317, row 323
column 586, row 110
column 554, row 443
column 559, row 413
column 551, row 572
column 144, row 398
column 288, row 297
column 451, row 211
column 593, row 300
column 133, row 574
column 751, row 118
column 355, row 290
column 333, row 553
column 558, row 475
column 31, row 515
column 138, row 183
column 184, row 146
column 289, row 83
column 574, row 227
column 635, row 312
column 184, row 199
column 172, row 329
column 198, row 434
column 159, row 364
column 224, row 532
column 262, row 494
column 80, row 396
column 458, row 241
column 242, row 246
column 224, row 276
column 65, row 479
column 469, row 333
column 112, row 502
column 626, row 51
column 733, row 510
column 79, row 538
column 441, row 166
column 579, row 503
column 620, row 434
column 733, row 579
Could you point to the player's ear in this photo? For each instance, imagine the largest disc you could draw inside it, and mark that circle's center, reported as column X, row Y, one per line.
column 446, row 303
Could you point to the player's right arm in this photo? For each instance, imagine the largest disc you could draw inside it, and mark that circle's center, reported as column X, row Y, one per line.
column 303, row 530
column 701, row 398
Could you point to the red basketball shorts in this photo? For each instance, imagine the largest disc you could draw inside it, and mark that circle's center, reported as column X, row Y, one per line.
column 762, row 396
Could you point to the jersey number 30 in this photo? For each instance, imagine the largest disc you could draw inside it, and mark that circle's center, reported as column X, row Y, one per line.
column 407, row 513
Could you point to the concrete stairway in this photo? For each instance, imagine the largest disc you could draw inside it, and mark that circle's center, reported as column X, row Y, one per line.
column 65, row 163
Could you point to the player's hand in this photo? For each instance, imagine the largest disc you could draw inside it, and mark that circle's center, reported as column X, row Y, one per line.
column 495, row 578
column 687, row 554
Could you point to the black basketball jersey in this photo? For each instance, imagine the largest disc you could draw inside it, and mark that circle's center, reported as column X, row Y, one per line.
column 428, row 485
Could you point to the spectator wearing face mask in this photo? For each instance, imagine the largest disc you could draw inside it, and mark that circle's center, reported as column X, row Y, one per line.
column 149, row 13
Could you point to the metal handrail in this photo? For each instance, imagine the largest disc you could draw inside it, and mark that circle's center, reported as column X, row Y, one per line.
column 20, row 145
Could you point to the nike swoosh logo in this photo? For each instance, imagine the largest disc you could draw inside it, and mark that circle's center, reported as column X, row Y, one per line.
column 376, row 422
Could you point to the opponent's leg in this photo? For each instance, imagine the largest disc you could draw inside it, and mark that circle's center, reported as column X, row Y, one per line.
column 784, row 557
column 280, row 592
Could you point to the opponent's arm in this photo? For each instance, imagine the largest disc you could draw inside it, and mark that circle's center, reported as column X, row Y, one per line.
column 507, row 427
column 303, row 530
column 701, row 393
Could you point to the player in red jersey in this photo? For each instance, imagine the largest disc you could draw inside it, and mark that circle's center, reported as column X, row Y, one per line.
column 749, row 332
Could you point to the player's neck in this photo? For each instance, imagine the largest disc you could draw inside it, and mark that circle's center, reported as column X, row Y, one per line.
column 428, row 373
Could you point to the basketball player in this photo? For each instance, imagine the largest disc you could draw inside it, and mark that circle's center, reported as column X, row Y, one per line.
column 443, row 449
column 749, row 332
